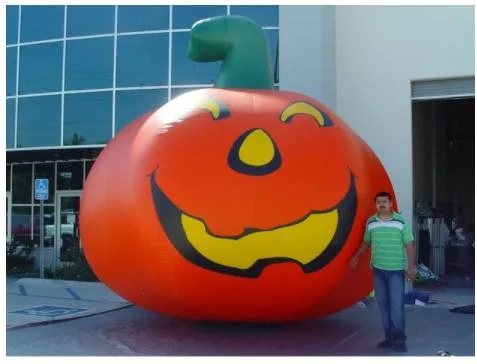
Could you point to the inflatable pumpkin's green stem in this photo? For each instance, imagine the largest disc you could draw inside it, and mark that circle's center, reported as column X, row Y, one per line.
column 242, row 46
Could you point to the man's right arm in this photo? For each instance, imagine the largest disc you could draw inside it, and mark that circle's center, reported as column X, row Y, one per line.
column 362, row 249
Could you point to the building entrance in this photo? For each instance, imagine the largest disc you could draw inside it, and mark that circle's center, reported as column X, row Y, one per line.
column 444, row 184
column 68, row 242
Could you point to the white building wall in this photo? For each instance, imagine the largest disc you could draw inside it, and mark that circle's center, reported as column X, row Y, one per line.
column 379, row 51
column 307, row 51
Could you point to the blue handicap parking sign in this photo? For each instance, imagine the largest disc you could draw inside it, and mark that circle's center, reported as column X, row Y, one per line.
column 49, row 311
column 41, row 189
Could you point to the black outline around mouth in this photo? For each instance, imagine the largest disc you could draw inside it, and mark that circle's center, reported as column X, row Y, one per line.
column 169, row 216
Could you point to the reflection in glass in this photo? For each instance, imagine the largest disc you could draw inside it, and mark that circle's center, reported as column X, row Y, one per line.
column 41, row 22
column 40, row 68
column 132, row 104
column 182, row 90
column 46, row 170
column 186, row 71
column 183, row 16
column 12, row 24
column 88, row 118
column 148, row 66
column 89, row 63
column 21, row 183
column 11, row 63
column 8, row 176
column 21, row 224
column 69, row 176
column 89, row 20
column 10, row 123
column 69, row 228
column 264, row 15
column 134, row 18
column 39, row 120
column 49, row 225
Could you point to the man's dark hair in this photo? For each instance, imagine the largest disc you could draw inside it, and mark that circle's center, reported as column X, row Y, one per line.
column 383, row 194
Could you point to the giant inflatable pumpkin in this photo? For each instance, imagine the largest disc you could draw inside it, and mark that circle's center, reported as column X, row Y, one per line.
column 237, row 203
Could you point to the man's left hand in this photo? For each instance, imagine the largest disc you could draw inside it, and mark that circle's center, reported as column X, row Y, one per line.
column 411, row 274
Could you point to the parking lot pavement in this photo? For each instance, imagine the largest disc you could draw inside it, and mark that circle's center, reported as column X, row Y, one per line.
column 33, row 301
column 137, row 332
column 108, row 325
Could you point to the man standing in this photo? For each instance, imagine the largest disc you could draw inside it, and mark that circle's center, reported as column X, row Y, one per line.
column 392, row 261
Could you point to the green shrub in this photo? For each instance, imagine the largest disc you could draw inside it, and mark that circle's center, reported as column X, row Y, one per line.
column 18, row 259
column 77, row 270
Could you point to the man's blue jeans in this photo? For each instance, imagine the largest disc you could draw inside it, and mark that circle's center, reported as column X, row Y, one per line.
column 389, row 295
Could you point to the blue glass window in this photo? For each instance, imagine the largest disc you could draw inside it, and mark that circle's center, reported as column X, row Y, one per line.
column 41, row 68
column 89, row 20
column 132, row 104
column 8, row 176
column 142, row 60
column 182, row 90
column 264, row 15
column 39, row 121
column 49, row 219
column 186, row 71
column 12, row 24
column 89, row 63
column 69, row 177
column 11, row 71
column 88, row 118
column 184, row 16
column 21, row 215
column 21, row 186
column 10, row 123
column 134, row 18
column 42, row 22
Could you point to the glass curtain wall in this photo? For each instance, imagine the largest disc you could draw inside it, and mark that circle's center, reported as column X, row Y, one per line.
column 76, row 75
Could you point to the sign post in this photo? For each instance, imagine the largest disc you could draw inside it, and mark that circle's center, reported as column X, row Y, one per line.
column 41, row 194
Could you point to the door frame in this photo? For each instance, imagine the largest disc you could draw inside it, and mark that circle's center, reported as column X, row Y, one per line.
column 59, row 196
column 9, row 214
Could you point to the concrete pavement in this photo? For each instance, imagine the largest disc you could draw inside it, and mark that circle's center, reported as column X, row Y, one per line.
column 33, row 301
column 134, row 331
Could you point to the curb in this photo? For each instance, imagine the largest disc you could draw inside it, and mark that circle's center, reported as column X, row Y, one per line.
column 44, row 323
column 57, row 282
column 72, row 287
column 23, row 275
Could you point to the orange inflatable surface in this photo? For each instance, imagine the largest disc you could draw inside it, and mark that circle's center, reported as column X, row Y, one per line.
column 233, row 204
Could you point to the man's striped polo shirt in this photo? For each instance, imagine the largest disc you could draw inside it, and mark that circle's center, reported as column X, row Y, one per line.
column 388, row 240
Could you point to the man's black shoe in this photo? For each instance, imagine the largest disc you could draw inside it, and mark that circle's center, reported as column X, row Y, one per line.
column 400, row 347
column 387, row 343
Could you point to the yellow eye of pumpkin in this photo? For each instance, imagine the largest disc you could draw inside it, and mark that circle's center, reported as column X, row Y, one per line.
column 216, row 110
column 304, row 108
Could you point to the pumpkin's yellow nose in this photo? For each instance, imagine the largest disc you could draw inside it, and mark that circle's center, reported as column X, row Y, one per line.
column 257, row 149
column 254, row 153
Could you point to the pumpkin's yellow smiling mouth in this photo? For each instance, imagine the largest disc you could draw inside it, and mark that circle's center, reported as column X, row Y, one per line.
column 312, row 242
column 301, row 242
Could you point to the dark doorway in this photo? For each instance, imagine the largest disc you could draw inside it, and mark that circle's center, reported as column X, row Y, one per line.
column 444, row 184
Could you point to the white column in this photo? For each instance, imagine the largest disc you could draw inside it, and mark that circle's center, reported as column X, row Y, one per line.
column 307, row 51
